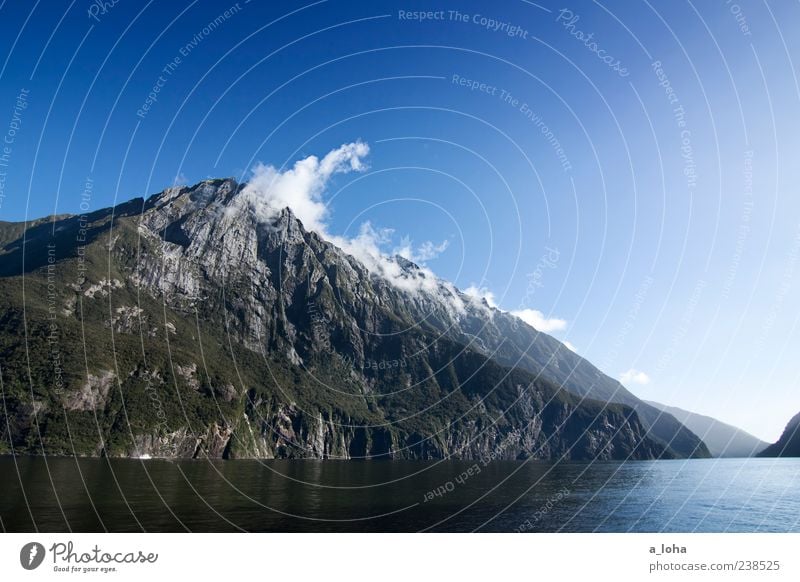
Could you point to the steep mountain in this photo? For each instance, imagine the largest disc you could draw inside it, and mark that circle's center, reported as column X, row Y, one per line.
column 789, row 443
column 510, row 342
column 190, row 324
column 723, row 440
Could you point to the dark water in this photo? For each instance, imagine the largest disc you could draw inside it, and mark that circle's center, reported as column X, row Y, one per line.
column 129, row 495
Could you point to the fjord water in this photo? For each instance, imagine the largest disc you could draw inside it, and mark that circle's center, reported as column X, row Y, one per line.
column 725, row 495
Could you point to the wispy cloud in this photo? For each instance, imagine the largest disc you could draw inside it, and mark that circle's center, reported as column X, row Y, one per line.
column 427, row 251
column 368, row 246
column 539, row 321
column 481, row 293
column 301, row 189
column 532, row 317
column 634, row 376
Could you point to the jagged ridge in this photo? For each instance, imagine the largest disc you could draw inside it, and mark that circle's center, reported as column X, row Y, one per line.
column 211, row 332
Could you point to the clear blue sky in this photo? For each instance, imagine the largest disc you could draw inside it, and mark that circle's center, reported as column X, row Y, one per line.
column 676, row 233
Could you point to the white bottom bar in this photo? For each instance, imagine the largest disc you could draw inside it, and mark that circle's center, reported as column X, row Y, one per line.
column 353, row 557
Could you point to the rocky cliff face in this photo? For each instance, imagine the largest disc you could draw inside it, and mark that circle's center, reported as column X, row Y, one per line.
column 187, row 326
column 291, row 433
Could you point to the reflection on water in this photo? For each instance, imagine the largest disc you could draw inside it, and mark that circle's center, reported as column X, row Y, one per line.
column 59, row 494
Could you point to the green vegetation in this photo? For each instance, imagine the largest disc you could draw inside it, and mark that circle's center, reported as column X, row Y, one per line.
column 100, row 358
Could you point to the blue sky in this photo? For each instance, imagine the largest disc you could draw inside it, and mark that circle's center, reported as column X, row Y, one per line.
column 638, row 185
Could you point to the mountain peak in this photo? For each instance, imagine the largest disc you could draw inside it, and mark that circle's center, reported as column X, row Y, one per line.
column 189, row 198
column 302, row 327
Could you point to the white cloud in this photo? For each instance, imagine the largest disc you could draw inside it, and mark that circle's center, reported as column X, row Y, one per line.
column 532, row 317
column 537, row 320
column 366, row 247
column 634, row 376
column 428, row 251
column 425, row 252
column 300, row 188
column 479, row 293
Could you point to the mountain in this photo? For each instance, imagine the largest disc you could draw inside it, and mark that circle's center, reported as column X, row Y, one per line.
column 512, row 343
column 723, row 440
column 789, row 443
column 194, row 324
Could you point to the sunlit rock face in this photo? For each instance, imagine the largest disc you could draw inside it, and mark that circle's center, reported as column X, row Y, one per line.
column 208, row 328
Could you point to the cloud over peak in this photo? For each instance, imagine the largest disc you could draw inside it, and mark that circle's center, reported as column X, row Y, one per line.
column 300, row 188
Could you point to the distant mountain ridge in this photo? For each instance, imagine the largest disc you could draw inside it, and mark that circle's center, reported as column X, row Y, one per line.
column 789, row 443
column 723, row 440
column 185, row 325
